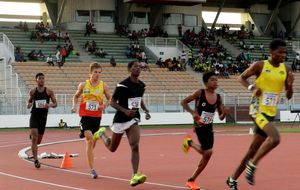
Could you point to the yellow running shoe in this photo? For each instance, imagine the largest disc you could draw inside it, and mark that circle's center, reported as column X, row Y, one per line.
column 137, row 179
column 186, row 144
column 98, row 133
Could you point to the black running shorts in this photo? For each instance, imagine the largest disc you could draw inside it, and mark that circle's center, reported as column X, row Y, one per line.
column 205, row 136
column 90, row 123
column 38, row 121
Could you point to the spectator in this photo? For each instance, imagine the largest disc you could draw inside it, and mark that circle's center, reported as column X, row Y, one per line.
column 50, row 60
column 113, row 61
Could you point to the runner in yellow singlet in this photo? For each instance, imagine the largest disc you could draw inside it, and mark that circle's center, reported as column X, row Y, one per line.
column 272, row 76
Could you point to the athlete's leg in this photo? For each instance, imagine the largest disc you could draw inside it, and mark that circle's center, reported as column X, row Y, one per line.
column 34, row 142
column 206, row 155
column 90, row 144
column 133, row 135
column 271, row 142
column 256, row 143
column 112, row 143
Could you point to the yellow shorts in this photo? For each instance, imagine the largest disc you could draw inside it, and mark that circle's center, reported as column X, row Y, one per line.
column 262, row 120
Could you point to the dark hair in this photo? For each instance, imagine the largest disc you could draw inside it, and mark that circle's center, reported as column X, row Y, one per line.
column 207, row 75
column 39, row 74
column 276, row 44
column 130, row 64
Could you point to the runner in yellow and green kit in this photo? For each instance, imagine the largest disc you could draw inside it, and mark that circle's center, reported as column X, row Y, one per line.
column 272, row 76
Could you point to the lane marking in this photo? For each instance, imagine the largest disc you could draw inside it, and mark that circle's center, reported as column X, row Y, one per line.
column 22, row 154
column 39, row 181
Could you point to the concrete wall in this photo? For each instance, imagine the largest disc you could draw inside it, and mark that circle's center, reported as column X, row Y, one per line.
column 14, row 121
column 165, row 52
column 289, row 13
column 69, row 14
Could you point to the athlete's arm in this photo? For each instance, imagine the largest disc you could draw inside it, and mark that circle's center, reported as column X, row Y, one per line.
column 185, row 102
column 222, row 110
column 128, row 112
column 107, row 96
column 289, row 83
column 30, row 98
column 53, row 103
column 76, row 97
column 253, row 70
column 147, row 116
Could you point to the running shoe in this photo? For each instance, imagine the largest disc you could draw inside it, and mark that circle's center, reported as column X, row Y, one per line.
column 37, row 164
column 81, row 134
column 187, row 144
column 232, row 184
column 98, row 133
column 137, row 179
column 192, row 185
column 94, row 175
column 250, row 169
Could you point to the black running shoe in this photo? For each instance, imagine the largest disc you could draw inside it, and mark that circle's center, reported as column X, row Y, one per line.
column 81, row 134
column 37, row 164
column 232, row 184
column 250, row 169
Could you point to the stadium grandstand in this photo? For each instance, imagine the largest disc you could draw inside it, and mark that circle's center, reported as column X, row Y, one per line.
column 175, row 41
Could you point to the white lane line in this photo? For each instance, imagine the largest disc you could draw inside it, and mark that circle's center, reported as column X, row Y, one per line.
column 22, row 154
column 42, row 182
column 111, row 177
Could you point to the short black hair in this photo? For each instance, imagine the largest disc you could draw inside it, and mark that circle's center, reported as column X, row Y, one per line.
column 276, row 44
column 207, row 75
column 130, row 64
column 39, row 74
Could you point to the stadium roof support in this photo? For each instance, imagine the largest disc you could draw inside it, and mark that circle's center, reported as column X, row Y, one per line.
column 295, row 24
column 218, row 13
column 60, row 13
column 273, row 16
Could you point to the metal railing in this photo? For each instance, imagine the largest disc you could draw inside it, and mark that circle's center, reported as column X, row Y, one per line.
column 6, row 41
column 155, row 102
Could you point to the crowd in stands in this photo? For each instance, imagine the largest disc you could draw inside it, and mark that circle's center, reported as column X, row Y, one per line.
column 92, row 48
column 123, row 30
column 22, row 26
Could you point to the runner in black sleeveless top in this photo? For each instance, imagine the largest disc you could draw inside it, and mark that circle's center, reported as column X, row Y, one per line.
column 39, row 100
column 207, row 101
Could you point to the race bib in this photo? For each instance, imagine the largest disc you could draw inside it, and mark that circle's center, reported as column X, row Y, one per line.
column 92, row 106
column 207, row 117
column 270, row 99
column 134, row 102
column 40, row 103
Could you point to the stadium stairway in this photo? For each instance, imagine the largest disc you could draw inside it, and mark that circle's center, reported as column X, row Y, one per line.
column 22, row 39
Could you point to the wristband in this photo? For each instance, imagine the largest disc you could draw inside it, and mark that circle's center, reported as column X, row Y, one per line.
column 250, row 87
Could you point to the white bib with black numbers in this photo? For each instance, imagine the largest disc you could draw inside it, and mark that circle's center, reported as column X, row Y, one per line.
column 270, row 99
column 92, row 106
column 40, row 103
column 207, row 117
column 134, row 103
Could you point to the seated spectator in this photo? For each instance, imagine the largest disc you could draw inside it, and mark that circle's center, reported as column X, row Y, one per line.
column 100, row 53
column 113, row 61
column 261, row 47
column 159, row 62
column 19, row 56
column 40, row 55
column 62, row 124
column 25, row 27
column 50, row 60
column 251, row 47
column 32, row 55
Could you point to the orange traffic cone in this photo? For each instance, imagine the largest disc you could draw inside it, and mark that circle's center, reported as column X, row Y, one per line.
column 67, row 162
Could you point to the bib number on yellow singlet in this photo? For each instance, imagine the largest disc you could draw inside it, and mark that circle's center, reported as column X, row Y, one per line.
column 206, row 117
column 92, row 106
column 270, row 99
